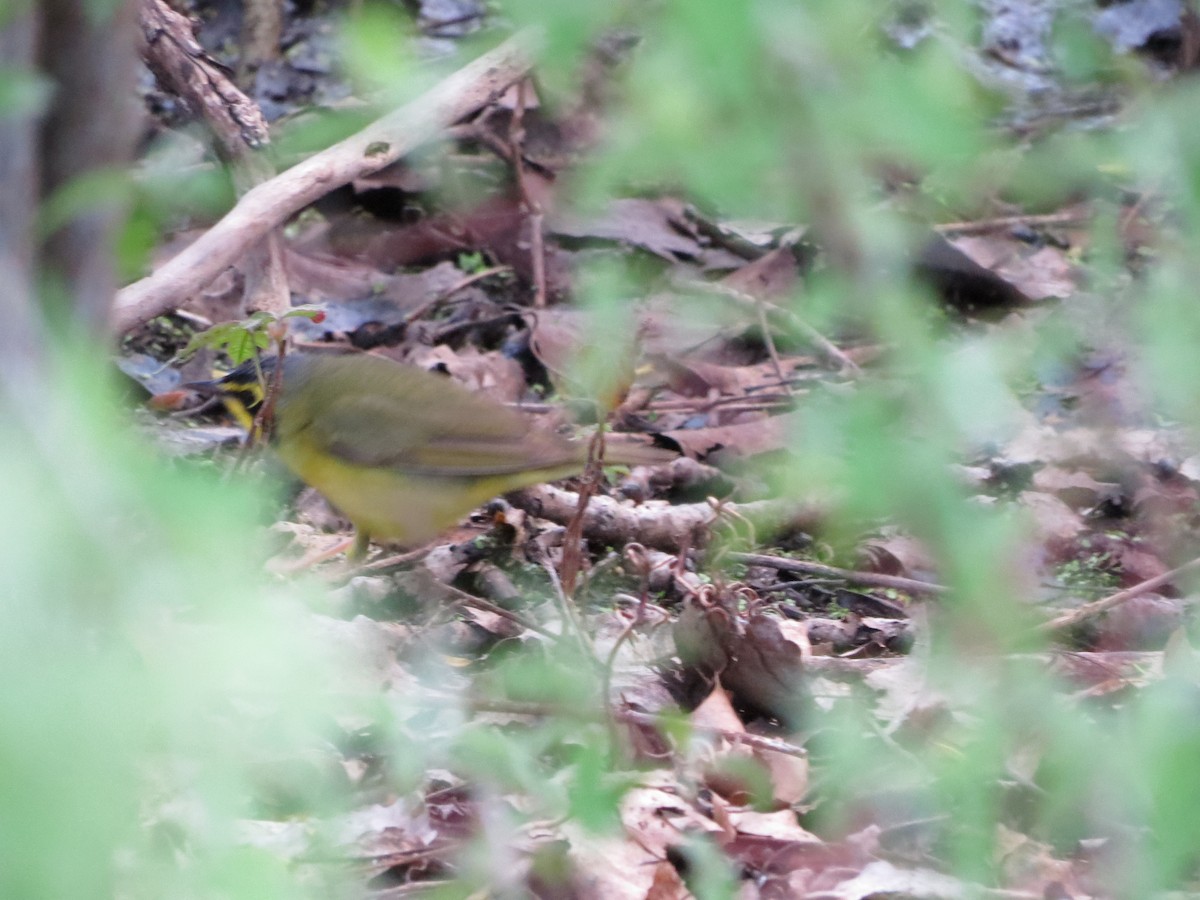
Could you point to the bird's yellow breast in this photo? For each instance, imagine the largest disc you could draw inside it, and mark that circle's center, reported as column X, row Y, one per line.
column 394, row 505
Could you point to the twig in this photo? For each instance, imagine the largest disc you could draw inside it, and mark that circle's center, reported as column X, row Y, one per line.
column 569, row 613
column 426, row 308
column 636, row 717
column 610, row 663
column 730, row 404
column 537, row 248
column 872, row 579
column 735, row 244
column 395, row 560
column 735, row 737
column 830, row 350
column 1079, row 614
column 769, row 339
column 489, row 606
column 572, row 561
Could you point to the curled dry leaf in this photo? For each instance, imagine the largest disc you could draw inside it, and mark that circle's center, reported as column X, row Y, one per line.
column 729, row 770
column 743, row 773
column 1037, row 273
column 766, row 662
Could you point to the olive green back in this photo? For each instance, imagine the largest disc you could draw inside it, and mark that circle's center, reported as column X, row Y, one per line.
column 371, row 412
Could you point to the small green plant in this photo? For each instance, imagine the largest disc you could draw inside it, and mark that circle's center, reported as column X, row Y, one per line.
column 471, row 263
column 1091, row 574
column 246, row 338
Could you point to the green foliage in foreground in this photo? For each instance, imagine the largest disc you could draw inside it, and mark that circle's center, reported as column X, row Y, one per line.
column 144, row 660
column 774, row 109
column 151, row 674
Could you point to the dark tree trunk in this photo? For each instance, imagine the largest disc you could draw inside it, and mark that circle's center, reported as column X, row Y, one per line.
column 89, row 50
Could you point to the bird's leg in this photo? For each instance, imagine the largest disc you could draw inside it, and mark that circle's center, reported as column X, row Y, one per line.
column 362, row 543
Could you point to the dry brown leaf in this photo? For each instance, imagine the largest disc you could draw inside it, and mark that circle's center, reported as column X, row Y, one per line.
column 1036, row 272
column 648, row 224
column 563, row 338
column 766, row 663
column 764, row 434
column 1029, row 865
column 667, row 885
column 1141, row 623
column 716, row 712
column 772, row 275
column 781, row 825
column 962, row 281
column 1052, row 519
column 788, row 774
column 323, row 277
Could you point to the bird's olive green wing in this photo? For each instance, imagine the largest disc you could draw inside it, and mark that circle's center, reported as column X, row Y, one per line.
column 375, row 413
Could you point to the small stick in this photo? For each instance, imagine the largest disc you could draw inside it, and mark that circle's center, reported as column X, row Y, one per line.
column 571, row 562
column 983, row 226
column 636, row 717
column 872, row 579
column 569, row 613
column 818, row 340
column 537, row 248
column 489, row 606
column 425, row 308
column 769, row 339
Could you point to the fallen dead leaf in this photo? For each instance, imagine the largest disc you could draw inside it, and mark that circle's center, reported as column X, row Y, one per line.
column 647, row 224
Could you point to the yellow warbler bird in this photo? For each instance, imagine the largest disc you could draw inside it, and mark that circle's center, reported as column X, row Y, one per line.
column 403, row 453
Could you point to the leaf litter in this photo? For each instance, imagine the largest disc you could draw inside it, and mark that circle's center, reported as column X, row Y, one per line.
column 704, row 691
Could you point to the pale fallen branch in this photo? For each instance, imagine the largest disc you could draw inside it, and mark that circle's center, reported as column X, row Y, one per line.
column 273, row 202
column 659, row 525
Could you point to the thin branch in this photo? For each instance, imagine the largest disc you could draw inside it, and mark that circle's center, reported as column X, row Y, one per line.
column 488, row 606
column 871, row 579
column 1080, row 614
column 983, row 226
column 826, row 347
column 533, row 209
column 636, row 717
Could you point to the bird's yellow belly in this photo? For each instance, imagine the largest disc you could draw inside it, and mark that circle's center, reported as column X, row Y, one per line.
column 394, row 505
